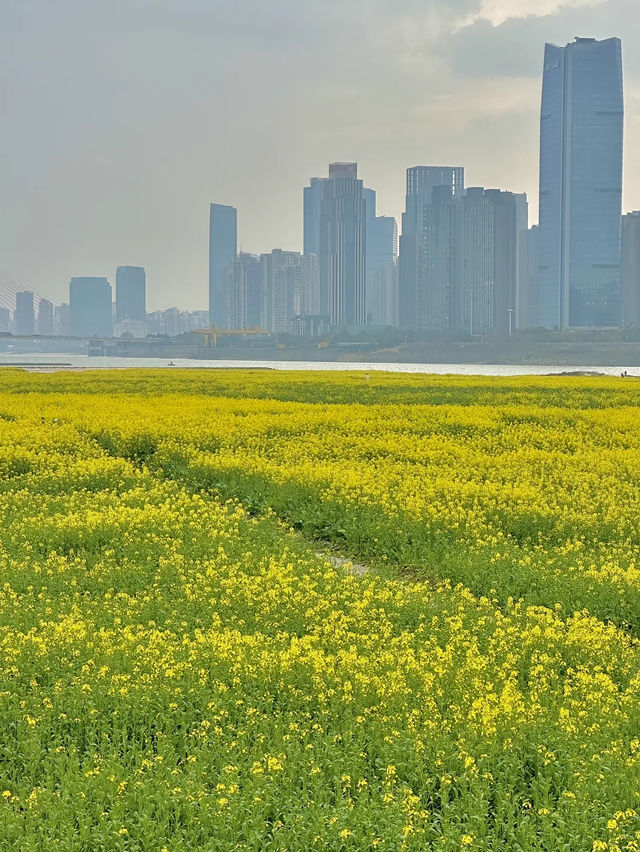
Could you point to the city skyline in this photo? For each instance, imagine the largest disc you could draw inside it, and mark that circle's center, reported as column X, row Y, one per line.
column 405, row 99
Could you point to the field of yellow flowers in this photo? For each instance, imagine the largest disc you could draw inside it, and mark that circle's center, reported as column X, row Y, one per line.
column 185, row 664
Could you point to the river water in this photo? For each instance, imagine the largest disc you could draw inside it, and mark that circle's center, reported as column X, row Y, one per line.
column 57, row 361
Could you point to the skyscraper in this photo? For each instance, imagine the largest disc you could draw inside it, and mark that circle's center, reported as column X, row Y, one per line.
column 130, row 293
column 246, row 291
column 531, row 319
column 520, row 318
column 631, row 269
column 90, row 307
column 581, row 139
column 421, row 181
column 434, row 306
column 24, row 320
column 312, row 214
column 45, row 317
column 342, row 254
column 223, row 248
column 381, row 267
column 281, row 287
column 469, row 261
column 310, row 285
column 485, row 261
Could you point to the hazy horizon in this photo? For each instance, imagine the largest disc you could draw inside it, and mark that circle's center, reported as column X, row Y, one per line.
column 122, row 124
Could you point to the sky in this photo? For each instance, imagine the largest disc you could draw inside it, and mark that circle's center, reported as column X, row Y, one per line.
column 121, row 120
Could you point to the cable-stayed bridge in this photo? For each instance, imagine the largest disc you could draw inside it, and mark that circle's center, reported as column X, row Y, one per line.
column 10, row 286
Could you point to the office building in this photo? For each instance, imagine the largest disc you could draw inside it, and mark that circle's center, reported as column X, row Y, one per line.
column 24, row 318
column 631, row 269
column 581, row 140
column 45, row 317
column 421, row 181
column 223, row 248
column 312, row 214
column 342, row 250
column 381, row 265
column 130, row 293
column 90, row 311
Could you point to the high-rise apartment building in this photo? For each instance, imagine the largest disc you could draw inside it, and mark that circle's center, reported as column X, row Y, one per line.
column 631, row 269
column 246, row 291
column 470, row 262
column 131, row 328
column 485, row 262
column 172, row 322
column 421, row 181
column 310, row 285
column 281, row 286
column 532, row 262
column 342, row 250
column 130, row 293
column 90, row 309
column 434, row 305
column 581, row 142
column 223, row 248
column 45, row 317
column 24, row 318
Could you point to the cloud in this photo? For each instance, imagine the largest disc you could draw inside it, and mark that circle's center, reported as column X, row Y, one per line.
column 125, row 118
column 498, row 12
column 487, row 98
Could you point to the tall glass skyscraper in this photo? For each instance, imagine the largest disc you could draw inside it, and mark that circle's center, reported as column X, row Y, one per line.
column 130, row 293
column 90, row 307
column 581, row 137
column 312, row 214
column 342, row 257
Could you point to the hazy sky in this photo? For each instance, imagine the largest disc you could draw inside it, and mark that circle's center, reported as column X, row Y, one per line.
column 122, row 119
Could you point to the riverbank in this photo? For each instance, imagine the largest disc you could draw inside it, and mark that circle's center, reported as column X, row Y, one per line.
column 78, row 363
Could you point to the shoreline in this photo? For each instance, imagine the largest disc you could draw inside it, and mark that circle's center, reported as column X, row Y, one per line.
column 83, row 363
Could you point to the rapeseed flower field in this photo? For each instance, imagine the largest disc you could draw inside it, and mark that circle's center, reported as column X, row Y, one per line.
column 187, row 665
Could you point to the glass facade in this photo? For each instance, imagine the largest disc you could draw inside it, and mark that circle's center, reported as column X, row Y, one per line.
column 581, row 139
column 342, row 256
column 223, row 247
column 90, row 307
column 130, row 293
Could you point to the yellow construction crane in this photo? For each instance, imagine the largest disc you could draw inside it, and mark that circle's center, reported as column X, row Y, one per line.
column 212, row 334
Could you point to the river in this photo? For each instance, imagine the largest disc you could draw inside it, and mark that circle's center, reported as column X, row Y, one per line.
column 58, row 361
